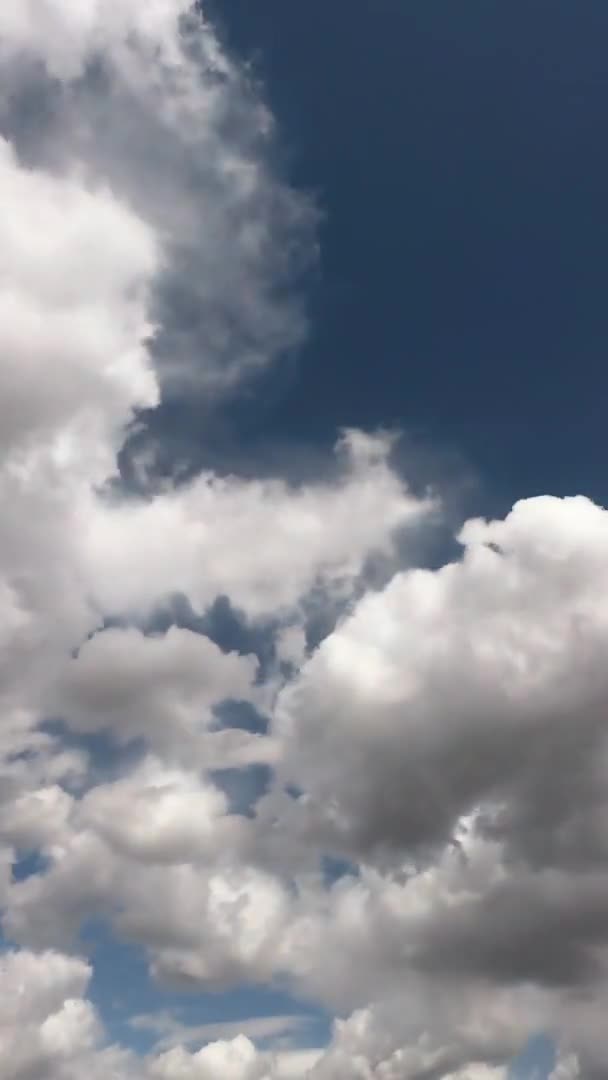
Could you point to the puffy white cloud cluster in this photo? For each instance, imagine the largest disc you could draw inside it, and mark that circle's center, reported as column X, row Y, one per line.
column 447, row 738
column 470, row 672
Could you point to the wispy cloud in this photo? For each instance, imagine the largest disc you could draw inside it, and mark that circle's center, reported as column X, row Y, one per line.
column 172, row 1032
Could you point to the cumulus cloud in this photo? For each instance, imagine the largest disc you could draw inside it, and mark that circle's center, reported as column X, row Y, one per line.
column 452, row 726
column 190, row 540
column 73, row 329
column 73, row 333
column 470, row 672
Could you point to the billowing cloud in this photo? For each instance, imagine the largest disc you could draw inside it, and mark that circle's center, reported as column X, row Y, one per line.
column 48, row 1028
column 191, row 540
column 452, row 730
column 469, row 673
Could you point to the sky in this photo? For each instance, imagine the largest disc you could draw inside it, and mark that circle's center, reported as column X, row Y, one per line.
column 303, row 557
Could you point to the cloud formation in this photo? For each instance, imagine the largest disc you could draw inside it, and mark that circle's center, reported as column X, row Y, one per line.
column 444, row 744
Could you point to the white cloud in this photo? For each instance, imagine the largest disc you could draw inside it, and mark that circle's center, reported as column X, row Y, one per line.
column 73, row 327
column 36, row 818
column 236, row 1059
column 196, row 539
column 44, row 1021
column 212, row 929
column 161, row 815
column 150, row 103
column 73, row 320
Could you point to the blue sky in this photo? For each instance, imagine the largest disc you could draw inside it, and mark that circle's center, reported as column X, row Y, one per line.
column 302, row 771
column 458, row 154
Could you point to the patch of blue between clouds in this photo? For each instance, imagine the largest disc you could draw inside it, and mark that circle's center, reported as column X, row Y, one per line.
column 28, row 864
column 333, row 869
column 108, row 758
column 223, row 624
column 243, row 787
column 536, row 1061
column 242, row 715
column 121, row 989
